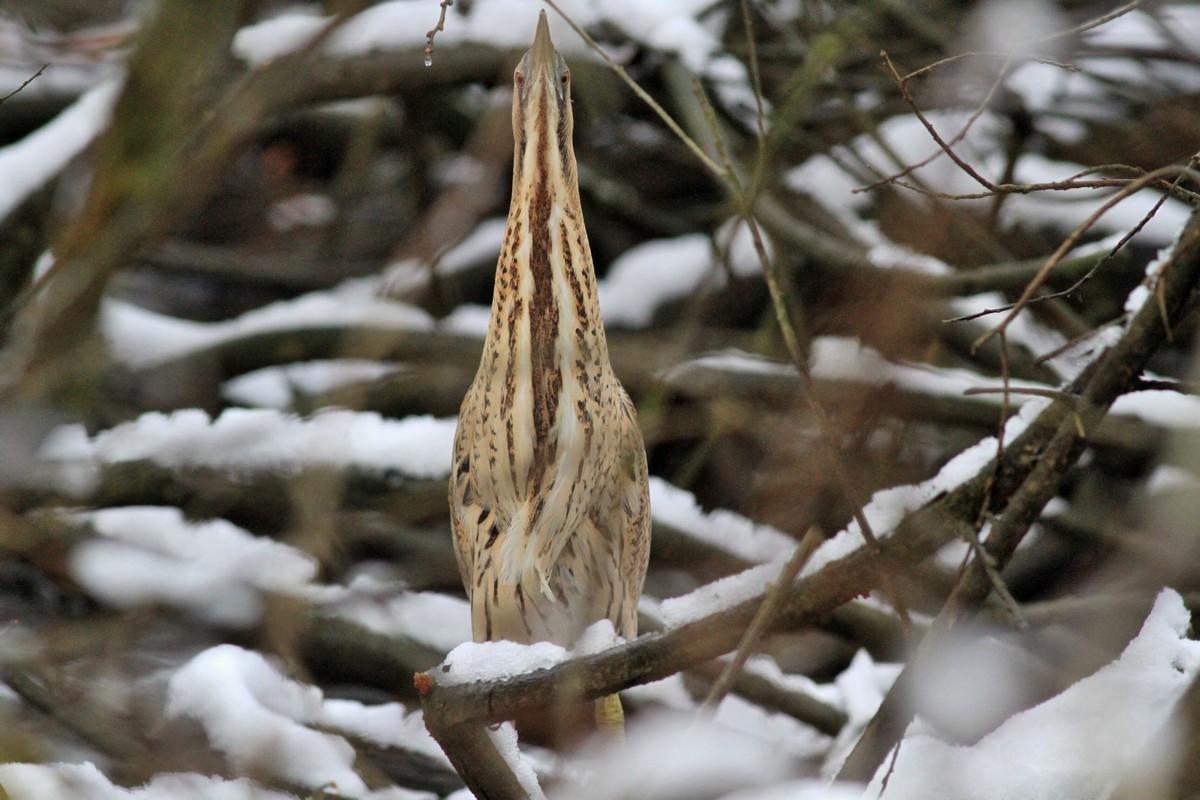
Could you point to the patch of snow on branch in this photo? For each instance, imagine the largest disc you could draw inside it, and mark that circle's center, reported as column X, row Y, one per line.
column 886, row 509
column 668, row 27
column 504, row 737
column 1160, row 407
column 669, row 755
column 1100, row 734
column 265, row 723
column 278, row 387
column 436, row 620
column 28, row 164
column 249, row 439
column 650, row 275
column 721, row 528
column 492, row 661
column 140, row 338
column 74, row 781
column 908, row 140
column 412, row 274
column 214, row 570
column 840, row 358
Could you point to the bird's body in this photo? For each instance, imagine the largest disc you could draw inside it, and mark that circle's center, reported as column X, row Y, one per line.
column 548, row 495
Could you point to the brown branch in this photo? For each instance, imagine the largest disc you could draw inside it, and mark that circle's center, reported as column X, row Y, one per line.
column 28, row 81
column 762, row 620
column 1068, row 421
column 946, row 148
column 441, row 26
column 1071, row 241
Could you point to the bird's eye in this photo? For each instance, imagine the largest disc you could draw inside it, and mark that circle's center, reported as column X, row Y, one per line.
column 565, row 78
column 518, row 78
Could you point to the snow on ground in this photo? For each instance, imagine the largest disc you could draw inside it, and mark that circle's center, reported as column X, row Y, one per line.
column 1107, row 731
column 250, row 439
column 214, row 570
column 265, row 723
column 28, row 164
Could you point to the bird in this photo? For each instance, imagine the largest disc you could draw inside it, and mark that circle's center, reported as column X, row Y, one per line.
column 549, row 492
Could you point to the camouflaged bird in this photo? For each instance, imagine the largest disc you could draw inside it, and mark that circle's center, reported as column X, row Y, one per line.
column 549, row 497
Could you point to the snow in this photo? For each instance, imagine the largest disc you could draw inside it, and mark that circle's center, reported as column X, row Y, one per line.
column 1140, row 293
column 277, row 387
column 214, row 570
column 493, row 661
column 721, row 528
column 805, row 789
column 140, row 338
column 469, row 319
column 1160, row 407
column 719, row 595
column 671, row 756
column 651, row 274
column 436, row 620
column 27, row 165
column 482, row 244
column 504, row 737
column 1167, row 478
column 885, row 510
column 909, row 142
column 1097, row 735
column 670, row 28
column 792, row 739
column 385, row 725
column 840, row 358
column 74, row 781
column 250, row 439
column 264, row 722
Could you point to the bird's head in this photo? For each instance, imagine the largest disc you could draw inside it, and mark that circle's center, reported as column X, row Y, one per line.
column 542, row 97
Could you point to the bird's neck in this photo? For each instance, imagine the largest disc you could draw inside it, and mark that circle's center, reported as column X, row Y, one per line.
column 545, row 298
column 545, row 362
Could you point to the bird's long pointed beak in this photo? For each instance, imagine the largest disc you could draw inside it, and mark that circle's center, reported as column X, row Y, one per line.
column 543, row 49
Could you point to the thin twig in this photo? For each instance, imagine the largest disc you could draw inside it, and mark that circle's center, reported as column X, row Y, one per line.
column 441, row 26
column 28, row 81
column 755, row 77
column 988, row 562
column 958, row 137
column 1032, row 391
column 668, row 120
column 1044, row 273
column 763, row 618
column 908, row 98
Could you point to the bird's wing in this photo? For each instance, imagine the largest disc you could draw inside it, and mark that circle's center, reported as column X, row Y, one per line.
column 633, row 496
column 466, row 511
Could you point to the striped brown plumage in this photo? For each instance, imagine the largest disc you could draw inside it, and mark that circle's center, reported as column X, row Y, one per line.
column 549, row 498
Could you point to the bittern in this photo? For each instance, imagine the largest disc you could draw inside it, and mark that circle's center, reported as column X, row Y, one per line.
column 549, row 498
